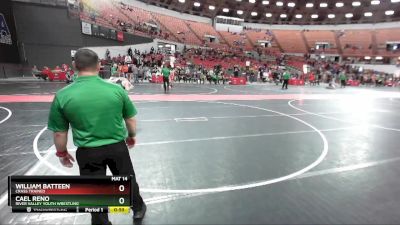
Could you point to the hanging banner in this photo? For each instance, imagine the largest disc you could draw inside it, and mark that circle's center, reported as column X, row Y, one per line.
column 86, row 28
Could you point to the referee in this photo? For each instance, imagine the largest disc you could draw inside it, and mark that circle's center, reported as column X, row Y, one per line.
column 286, row 77
column 97, row 112
column 166, row 71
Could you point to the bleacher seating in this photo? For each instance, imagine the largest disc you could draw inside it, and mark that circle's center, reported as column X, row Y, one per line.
column 356, row 42
column 290, row 40
column 258, row 35
column 314, row 36
column 386, row 35
column 349, row 42
column 179, row 28
column 103, row 13
column 203, row 29
column 237, row 40
column 140, row 16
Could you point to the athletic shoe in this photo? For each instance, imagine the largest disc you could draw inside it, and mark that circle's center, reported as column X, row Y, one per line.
column 138, row 215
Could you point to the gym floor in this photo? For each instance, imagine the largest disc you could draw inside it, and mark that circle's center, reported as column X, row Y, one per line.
column 215, row 154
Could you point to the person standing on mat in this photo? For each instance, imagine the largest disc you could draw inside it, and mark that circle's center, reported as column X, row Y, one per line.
column 342, row 78
column 102, row 119
column 286, row 77
column 165, row 73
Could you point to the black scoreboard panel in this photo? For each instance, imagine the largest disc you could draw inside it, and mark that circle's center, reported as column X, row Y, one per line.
column 113, row 34
column 104, row 32
column 95, row 30
column 100, row 31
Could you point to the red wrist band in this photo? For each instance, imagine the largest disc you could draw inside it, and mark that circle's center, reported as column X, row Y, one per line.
column 61, row 154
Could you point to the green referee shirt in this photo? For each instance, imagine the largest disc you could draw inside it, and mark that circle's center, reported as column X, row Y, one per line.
column 342, row 76
column 286, row 75
column 165, row 71
column 94, row 109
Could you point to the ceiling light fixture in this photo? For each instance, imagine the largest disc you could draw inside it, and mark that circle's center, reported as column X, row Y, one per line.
column 375, row 2
column 368, row 14
column 339, row 4
column 389, row 12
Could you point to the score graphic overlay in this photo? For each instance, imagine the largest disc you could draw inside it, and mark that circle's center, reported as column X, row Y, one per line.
column 91, row 194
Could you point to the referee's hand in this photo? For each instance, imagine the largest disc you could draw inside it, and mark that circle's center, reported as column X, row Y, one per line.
column 130, row 142
column 67, row 161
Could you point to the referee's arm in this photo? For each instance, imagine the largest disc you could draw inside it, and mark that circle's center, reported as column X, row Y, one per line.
column 59, row 125
column 129, row 112
column 131, row 126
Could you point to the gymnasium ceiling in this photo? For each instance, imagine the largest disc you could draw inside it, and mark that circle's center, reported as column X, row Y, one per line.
column 296, row 11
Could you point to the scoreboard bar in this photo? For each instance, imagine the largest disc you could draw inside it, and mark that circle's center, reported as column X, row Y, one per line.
column 70, row 193
column 78, row 209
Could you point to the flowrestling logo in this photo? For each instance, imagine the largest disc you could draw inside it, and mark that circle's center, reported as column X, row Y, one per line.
column 5, row 34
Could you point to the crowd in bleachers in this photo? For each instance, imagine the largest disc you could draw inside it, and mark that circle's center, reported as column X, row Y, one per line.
column 241, row 51
column 143, row 22
column 331, row 71
column 129, row 18
column 201, row 65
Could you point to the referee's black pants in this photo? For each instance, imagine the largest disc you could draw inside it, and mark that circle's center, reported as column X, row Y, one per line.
column 342, row 83
column 166, row 84
column 285, row 84
column 94, row 161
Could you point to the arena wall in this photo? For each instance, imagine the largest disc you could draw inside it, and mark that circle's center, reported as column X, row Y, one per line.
column 46, row 36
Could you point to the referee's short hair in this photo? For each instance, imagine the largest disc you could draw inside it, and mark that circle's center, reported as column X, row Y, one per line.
column 86, row 59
